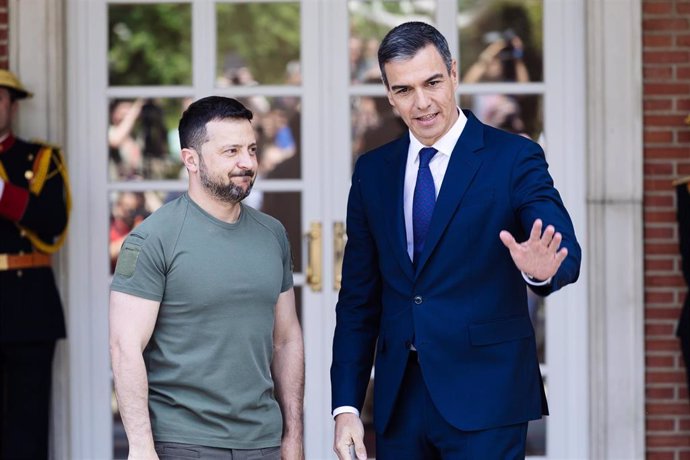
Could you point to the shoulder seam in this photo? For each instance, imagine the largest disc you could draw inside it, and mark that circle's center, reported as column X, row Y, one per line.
column 273, row 232
column 179, row 233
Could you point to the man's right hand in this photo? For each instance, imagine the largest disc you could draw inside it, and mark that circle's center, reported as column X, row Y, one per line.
column 349, row 431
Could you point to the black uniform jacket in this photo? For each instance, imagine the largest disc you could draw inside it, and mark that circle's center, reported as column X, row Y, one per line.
column 30, row 307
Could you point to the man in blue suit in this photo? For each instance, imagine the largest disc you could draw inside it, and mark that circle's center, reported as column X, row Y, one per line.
column 434, row 277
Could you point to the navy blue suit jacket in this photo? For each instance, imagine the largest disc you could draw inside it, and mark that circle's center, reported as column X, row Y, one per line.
column 465, row 304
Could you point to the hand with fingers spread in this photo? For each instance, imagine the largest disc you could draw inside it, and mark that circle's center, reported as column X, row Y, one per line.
column 539, row 257
column 349, row 432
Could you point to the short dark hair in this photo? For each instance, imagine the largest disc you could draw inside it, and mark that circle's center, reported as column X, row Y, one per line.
column 192, row 127
column 405, row 40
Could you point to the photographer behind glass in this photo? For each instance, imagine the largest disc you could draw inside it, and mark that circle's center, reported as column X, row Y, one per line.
column 501, row 60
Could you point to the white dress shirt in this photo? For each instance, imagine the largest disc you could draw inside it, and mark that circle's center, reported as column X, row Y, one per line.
column 438, row 166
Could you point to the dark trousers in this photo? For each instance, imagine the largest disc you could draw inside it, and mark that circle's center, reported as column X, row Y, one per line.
column 25, row 380
column 418, row 431
column 179, row 451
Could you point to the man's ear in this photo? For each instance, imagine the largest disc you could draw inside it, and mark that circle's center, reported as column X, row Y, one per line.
column 190, row 159
column 454, row 72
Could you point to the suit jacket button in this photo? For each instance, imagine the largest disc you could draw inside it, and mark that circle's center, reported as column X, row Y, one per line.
column 418, row 299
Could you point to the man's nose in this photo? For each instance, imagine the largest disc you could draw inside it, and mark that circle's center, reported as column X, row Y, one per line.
column 245, row 160
column 421, row 100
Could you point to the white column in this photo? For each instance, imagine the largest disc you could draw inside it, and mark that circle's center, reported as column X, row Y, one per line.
column 615, row 159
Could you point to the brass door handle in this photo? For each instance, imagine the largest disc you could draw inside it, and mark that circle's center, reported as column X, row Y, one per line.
column 339, row 239
column 314, row 269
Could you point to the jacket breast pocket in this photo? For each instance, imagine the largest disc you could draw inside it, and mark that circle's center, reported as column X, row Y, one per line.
column 499, row 331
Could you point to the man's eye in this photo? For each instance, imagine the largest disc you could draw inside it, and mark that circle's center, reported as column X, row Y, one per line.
column 402, row 91
column 434, row 83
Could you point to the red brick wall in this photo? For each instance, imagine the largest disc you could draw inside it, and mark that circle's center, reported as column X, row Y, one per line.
column 4, row 58
column 666, row 69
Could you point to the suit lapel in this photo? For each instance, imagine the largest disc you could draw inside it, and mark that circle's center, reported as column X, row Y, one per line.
column 463, row 165
column 392, row 193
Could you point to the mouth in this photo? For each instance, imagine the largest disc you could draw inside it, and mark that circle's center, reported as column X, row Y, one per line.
column 243, row 175
column 427, row 119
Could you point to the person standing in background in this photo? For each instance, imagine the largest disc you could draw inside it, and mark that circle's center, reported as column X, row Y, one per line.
column 34, row 210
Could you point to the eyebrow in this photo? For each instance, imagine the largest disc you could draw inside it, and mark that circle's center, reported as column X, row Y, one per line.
column 431, row 78
column 237, row 146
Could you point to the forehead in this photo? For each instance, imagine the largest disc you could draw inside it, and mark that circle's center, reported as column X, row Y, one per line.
column 424, row 64
column 230, row 131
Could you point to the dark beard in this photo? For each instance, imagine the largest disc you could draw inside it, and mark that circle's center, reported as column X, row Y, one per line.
column 228, row 193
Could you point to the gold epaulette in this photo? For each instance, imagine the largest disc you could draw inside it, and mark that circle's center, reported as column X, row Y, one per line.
column 41, row 174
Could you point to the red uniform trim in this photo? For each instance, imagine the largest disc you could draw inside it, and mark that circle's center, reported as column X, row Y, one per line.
column 7, row 143
column 13, row 202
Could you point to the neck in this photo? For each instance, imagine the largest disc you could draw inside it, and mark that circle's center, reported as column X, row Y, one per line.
column 221, row 210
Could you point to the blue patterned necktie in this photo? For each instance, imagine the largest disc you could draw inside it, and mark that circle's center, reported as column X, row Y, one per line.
column 423, row 201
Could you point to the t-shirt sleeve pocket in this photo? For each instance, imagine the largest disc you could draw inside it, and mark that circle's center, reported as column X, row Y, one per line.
column 129, row 254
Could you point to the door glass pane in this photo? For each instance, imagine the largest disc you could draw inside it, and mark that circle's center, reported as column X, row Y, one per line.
column 298, row 302
column 369, row 22
column 500, row 40
column 287, row 208
column 536, row 434
column 521, row 114
column 257, row 43
column 374, row 123
column 127, row 210
column 142, row 138
column 278, row 125
column 149, row 44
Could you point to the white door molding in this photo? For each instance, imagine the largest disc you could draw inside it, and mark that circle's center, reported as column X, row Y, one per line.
column 567, row 319
column 615, row 192
column 90, row 423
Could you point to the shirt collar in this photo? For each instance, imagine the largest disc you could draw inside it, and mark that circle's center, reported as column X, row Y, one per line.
column 447, row 142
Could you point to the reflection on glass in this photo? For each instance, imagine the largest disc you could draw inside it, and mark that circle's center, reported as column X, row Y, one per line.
column 501, row 40
column 374, row 123
column 258, row 43
column 142, row 139
column 369, row 22
column 127, row 210
column 537, row 314
column 150, row 44
column 368, row 420
column 520, row 114
column 278, row 125
column 287, row 208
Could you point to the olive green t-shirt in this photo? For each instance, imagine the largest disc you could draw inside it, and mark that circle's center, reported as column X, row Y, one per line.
column 208, row 360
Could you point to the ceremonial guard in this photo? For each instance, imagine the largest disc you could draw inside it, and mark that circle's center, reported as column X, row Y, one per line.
column 34, row 210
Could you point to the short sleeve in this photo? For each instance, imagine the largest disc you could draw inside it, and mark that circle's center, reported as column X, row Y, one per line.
column 140, row 269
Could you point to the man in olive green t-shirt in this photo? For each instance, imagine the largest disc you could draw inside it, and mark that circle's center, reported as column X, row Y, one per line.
column 207, row 351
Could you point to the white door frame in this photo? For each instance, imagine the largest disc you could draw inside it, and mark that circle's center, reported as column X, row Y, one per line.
column 613, row 208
